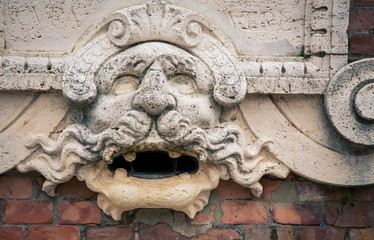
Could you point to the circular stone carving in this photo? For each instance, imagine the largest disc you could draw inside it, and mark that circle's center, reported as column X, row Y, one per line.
column 348, row 102
column 364, row 102
column 118, row 31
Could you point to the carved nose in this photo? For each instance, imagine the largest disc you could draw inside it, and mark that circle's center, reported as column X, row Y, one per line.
column 154, row 97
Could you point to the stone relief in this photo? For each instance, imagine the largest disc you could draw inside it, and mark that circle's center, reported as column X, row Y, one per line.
column 153, row 132
column 157, row 106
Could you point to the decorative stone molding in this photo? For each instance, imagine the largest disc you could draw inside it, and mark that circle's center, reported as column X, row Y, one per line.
column 155, row 99
column 155, row 103
column 348, row 101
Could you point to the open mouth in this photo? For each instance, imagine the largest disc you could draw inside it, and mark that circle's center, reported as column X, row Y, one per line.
column 155, row 164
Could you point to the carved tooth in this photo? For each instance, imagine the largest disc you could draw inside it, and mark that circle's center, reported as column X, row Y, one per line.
column 130, row 156
column 174, row 154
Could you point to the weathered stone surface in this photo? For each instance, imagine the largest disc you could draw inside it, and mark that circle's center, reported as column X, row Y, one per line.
column 152, row 100
column 352, row 86
column 158, row 100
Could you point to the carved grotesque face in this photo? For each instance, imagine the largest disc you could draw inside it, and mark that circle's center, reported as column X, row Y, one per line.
column 154, row 78
column 151, row 139
column 160, row 98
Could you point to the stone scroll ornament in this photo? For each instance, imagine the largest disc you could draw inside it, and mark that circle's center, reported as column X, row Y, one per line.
column 154, row 85
column 349, row 102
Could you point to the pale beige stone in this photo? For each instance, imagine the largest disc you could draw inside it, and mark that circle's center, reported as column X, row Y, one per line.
column 235, row 87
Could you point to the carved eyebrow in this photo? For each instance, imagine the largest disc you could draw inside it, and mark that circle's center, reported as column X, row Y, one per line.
column 173, row 64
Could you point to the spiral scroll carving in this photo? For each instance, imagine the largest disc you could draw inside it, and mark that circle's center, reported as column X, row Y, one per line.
column 349, row 102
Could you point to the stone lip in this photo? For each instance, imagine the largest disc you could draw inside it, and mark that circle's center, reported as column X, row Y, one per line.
column 119, row 192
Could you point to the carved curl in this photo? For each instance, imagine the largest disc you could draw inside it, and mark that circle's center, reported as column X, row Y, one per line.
column 349, row 100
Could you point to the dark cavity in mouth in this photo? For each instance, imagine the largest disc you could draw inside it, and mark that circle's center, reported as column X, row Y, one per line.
column 156, row 165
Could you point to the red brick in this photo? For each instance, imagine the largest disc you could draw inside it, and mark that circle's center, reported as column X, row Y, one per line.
column 78, row 212
column 206, row 216
column 363, row 194
column 361, row 19
column 320, row 233
column 15, row 187
column 361, row 234
column 21, row 211
column 245, row 212
column 257, row 232
column 364, row 2
column 269, row 186
column 264, row 232
column 358, row 215
column 123, row 232
column 218, row 234
column 309, row 191
column 12, row 233
column 362, row 44
column 293, row 213
column 231, row 190
column 159, row 231
column 75, row 189
column 54, row 232
column 284, row 233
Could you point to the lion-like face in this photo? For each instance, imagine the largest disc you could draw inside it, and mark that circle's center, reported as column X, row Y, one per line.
column 152, row 138
column 155, row 78
column 162, row 97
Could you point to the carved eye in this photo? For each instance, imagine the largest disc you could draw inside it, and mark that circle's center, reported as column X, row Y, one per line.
column 124, row 85
column 183, row 84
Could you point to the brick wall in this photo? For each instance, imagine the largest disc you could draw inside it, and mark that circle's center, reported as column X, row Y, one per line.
column 361, row 29
column 293, row 208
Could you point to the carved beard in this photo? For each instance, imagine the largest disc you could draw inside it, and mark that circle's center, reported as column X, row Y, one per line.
column 78, row 151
